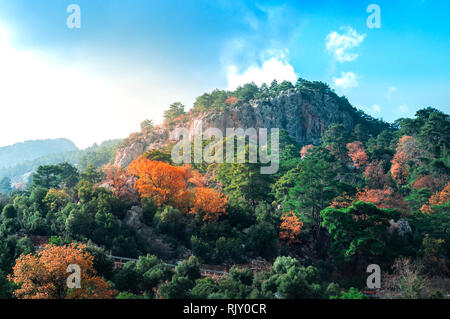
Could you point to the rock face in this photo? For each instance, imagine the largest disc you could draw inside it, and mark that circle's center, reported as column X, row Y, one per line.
column 134, row 220
column 304, row 114
column 139, row 143
column 401, row 226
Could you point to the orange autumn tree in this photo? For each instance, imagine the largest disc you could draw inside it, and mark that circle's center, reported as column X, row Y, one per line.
column 408, row 148
column 305, row 149
column 358, row 154
column 231, row 100
column 120, row 182
column 439, row 198
column 193, row 177
column 382, row 198
column 399, row 168
column 433, row 183
column 209, row 203
column 374, row 174
column 44, row 275
column 342, row 201
column 290, row 227
column 165, row 183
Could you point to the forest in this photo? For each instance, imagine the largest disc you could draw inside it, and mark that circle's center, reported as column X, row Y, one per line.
column 19, row 174
column 376, row 194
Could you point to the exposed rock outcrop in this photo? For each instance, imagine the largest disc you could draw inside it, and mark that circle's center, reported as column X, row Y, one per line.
column 401, row 226
column 138, row 143
column 305, row 114
column 134, row 220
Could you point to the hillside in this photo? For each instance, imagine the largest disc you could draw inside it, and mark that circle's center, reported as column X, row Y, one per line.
column 97, row 155
column 351, row 191
column 304, row 112
column 30, row 150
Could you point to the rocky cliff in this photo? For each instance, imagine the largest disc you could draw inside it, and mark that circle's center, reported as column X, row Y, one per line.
column 305, row 114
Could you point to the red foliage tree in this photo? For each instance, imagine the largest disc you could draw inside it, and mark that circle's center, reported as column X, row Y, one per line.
column 193, row 177
column 374, row 173
column 431, row 182
column 383, row 198
column 399, row 168
column 305, row 149
column 343, row 201
column 120, row 182
column 290, row 228
column 408, row 148
column 439, row 198
column 231, row 100
column 358, row 154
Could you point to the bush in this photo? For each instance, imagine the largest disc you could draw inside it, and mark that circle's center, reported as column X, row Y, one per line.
column 352, row 293
column 9, row 211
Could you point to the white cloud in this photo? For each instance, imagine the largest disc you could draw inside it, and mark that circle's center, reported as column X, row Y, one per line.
column 389, row 92
column 259, row 54
column 340, row 43
column 275, row 68
column 376, row 108
column 348, row 80
column 403, row 109
column 373, row 110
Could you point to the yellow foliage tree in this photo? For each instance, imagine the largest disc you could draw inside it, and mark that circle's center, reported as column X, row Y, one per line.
column 44, row 275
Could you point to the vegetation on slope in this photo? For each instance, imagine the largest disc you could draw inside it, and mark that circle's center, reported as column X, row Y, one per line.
column 314, row 227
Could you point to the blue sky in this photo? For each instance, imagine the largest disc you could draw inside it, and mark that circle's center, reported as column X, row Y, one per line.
column 131, row 59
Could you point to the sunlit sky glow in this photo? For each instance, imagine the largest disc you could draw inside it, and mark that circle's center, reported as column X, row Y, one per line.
column 131, row 59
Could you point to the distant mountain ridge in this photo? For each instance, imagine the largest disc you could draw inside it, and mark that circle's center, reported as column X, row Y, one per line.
column 98, row 155
column 30, row 150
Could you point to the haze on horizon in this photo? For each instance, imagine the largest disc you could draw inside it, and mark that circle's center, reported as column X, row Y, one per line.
column 130, row 60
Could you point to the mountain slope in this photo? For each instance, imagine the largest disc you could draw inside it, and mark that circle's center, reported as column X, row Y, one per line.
column 304, row 111
column 30, row 150
column 97, row 155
